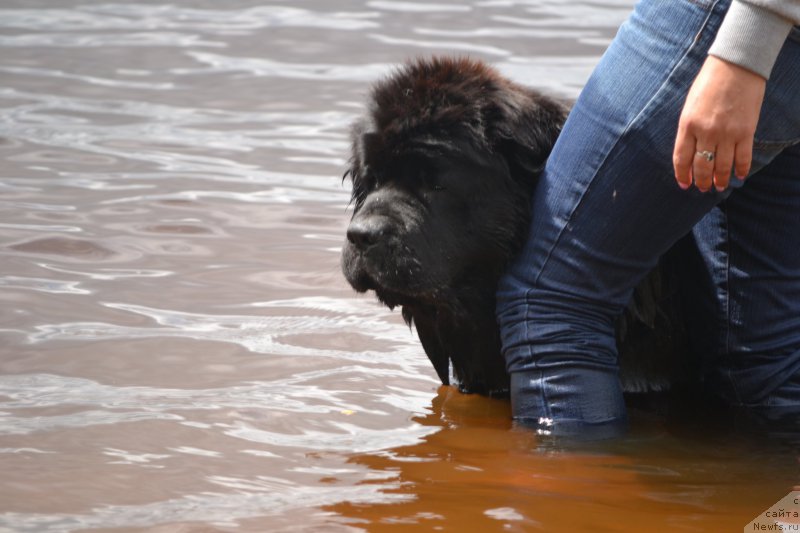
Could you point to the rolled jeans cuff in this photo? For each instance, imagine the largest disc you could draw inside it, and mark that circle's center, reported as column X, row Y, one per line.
column 577, row 403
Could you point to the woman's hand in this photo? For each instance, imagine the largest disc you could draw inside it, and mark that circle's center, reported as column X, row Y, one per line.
column 717, row 125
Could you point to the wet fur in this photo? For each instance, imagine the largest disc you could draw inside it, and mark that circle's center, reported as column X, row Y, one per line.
column 443, row 165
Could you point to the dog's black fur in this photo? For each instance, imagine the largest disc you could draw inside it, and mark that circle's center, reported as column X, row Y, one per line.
column 443, row 165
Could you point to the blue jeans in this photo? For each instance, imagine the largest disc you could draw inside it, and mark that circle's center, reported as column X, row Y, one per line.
column 607, row 207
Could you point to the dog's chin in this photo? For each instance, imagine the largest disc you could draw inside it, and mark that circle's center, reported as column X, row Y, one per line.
column 389, row 291
column 392, row 298
column 359, row 279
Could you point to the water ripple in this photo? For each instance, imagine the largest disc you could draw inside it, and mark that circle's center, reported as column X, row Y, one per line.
column 441, row 46
column 417, row 7
column 23, row 425
column 269, row 67
column 222, row 509
column 94, row 40
column 260, row 334
column 171, row 17
column 105, row 404
column 52, row 286
column 349, row 438
column 110, row 274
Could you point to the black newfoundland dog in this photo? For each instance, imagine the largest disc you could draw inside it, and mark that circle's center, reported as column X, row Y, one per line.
column 443, row 165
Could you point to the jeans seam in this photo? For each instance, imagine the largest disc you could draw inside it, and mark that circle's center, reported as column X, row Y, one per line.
column 725, row 296
column 705, row 4
column 627, row 129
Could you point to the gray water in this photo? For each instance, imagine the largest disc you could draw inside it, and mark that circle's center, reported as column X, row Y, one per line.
column 178, row 349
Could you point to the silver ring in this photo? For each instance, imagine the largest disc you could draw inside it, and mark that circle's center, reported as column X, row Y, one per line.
column 706, row 154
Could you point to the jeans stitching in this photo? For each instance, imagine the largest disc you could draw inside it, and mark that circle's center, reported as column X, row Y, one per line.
column 705, row 4
column 725, row 297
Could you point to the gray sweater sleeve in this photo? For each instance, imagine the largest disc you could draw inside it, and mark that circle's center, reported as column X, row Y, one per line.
column 754, row 31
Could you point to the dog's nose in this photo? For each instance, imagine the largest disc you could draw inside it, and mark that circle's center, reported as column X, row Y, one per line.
column 366, row 232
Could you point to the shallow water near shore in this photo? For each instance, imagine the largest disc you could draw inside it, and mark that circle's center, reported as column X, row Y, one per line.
column 178, row 348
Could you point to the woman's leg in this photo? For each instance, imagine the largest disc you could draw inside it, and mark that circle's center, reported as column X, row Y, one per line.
column 749, row 288
column 606, row 208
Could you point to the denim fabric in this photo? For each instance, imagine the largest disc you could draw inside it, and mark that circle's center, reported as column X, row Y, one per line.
column 607, row 207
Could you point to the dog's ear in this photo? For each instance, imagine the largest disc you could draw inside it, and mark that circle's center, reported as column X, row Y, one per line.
column 364, row 147
column 526, row 134
column 358, row 150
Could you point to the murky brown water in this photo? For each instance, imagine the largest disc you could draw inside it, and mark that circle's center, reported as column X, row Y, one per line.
column 178, row 349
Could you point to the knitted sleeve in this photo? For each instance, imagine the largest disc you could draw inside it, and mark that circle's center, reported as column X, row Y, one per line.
column 754, row 31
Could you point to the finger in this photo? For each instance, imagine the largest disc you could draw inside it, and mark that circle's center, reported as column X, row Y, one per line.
column 703, row 166
column 682, row 157
column 743, row 157
column 723, row 162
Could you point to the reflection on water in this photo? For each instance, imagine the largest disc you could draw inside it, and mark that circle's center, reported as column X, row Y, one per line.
column 178, row 349
column 478, row 473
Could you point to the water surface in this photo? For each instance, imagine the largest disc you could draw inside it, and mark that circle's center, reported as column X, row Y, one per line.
column 178, row 349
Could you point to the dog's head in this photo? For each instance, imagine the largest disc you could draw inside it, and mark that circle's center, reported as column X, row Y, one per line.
column 443, row 165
